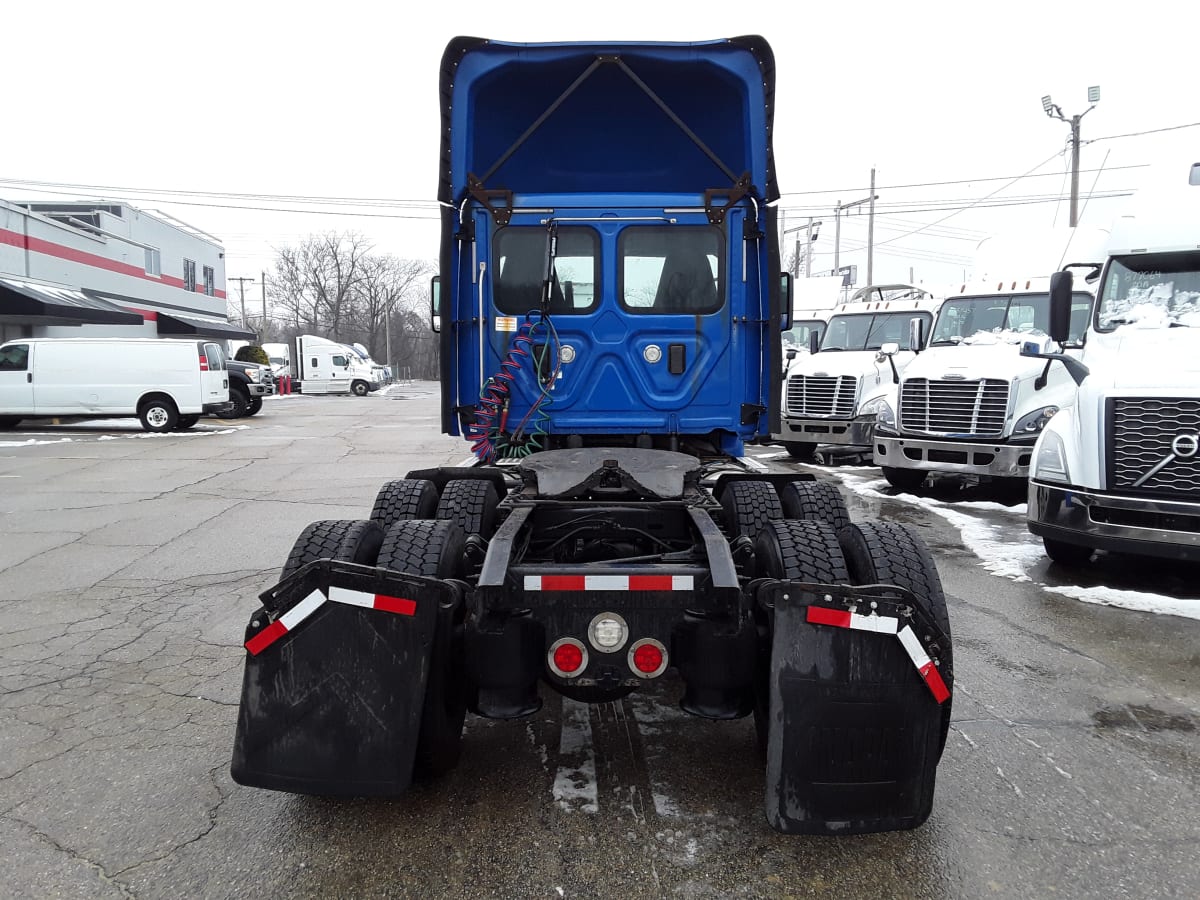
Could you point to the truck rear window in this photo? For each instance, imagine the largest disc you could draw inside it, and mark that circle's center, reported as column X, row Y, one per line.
column 520, row 268
column 673, row 269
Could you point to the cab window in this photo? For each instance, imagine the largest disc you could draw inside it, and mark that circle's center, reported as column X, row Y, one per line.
column 14, row 358
column 520, row 266
column 341, row 361
column 672, row 270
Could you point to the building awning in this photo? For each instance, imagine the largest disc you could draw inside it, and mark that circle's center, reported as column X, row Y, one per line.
column 40, row 303
column 176, row 324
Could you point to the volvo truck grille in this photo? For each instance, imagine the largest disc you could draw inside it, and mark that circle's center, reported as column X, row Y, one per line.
column 1154, row 446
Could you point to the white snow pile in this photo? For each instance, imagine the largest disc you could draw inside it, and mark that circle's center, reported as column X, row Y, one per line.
column 1134, row 600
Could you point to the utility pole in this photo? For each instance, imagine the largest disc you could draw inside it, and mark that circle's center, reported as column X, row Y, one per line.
column 242, row 293
column 837, row 226
column 263, row 339
column 871, row 235
column 1052, row 109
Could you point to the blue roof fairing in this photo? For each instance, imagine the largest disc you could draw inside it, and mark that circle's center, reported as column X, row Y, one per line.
column 607, row 134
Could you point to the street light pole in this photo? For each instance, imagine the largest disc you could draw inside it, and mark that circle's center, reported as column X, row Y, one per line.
column 1052, row 109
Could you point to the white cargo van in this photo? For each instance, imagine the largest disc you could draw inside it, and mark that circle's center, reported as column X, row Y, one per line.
column 167, row 384
column 327, row 367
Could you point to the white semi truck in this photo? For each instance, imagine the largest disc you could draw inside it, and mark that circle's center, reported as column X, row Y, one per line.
column 831, row 396
column 328, row 367
column 971, row 404
column 1120, row 470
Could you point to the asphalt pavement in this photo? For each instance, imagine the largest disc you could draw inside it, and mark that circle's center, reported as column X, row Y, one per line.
column 129, row 565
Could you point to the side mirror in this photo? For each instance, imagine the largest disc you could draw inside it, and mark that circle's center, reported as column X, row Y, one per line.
column 916, row 334
column 814, row 341
column 791, row 354
column 1061, row 289
column 891, row 348
column 435, row 303
column 785, row 300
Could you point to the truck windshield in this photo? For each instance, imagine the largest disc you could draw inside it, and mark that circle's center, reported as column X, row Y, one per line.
column 1151, row 290
column 520, row 266
column 870, row 331
column 1004, row 318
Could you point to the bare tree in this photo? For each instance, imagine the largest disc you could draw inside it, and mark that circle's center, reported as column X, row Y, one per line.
column 316, row 282
column 386, row 282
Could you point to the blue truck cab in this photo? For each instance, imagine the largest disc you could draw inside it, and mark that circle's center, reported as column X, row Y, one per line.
column 615, row 200
column 609, row 303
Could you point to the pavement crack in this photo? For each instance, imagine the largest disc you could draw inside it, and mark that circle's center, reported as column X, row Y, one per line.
column 91, row 864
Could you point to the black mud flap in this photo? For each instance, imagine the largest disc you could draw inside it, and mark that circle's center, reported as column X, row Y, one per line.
column 855, row 710
column 336, row 665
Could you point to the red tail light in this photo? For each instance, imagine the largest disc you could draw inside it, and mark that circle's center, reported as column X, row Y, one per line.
column 648, row 658
column 567, row 657
column 203, row 360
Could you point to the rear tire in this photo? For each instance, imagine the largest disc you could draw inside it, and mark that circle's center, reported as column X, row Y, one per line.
column 886, row 553
column 158, row 415
column 1067, row 554
column 435, row 549
column 750, row 506
column 187, row 421
column 795, row 551
column 818, row 500
column 904, row 479
column 346, row 540
column 405, row 498
column 800, row 449
column 471, row 503
column 239, row 402
column 254, row 407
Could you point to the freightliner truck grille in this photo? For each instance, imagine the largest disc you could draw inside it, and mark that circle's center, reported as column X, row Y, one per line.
column 975, row 408
column 818, row 395
column 1146, row 434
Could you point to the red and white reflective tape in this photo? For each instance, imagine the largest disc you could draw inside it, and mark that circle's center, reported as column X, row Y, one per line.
column 285, row 623
column 310, row 604
column 841, row 618
column 924, row 664
column 373, row 601
column 609, row 582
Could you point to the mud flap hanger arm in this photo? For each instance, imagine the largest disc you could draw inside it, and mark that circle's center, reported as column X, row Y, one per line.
column 740, row 186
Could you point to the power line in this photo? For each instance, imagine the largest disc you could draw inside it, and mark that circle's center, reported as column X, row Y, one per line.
column 1113, row 137
column 227, row 195
column 897, row 187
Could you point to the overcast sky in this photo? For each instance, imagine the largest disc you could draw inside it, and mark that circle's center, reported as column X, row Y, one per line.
column 340, row 100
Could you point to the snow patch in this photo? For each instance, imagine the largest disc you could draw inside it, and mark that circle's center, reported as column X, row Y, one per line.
column 575, row 786
column 1132, row 600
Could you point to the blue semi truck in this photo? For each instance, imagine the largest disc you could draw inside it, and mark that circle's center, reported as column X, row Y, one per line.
column 609, row 304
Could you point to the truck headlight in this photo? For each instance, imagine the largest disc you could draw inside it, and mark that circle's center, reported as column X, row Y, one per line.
column 1034, row 422
column 252, row 374
column 1050, row 461
column 880, row 409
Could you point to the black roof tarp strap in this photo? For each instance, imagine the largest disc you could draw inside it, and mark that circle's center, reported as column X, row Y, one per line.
column 179, row 325
column 53, row 304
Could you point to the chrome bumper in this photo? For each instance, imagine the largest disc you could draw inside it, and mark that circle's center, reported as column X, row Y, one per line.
column 851, row 432
column 1090, row 518
column 961, row 457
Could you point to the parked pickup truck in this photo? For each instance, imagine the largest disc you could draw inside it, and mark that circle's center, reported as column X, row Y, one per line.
column 248, row 384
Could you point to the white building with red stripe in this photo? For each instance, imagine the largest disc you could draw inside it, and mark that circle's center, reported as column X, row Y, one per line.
column 73, row 269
